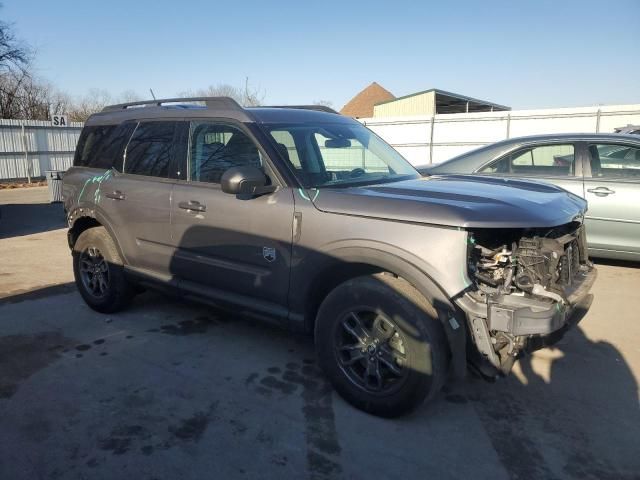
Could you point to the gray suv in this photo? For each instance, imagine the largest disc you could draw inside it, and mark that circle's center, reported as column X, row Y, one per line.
column 305, row 217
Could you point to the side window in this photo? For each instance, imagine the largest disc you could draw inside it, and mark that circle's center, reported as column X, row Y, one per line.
column 217, row 147
column 546, row 160
column 92, row 147
column 524, row 159
column 614, row 161
column 149, row 150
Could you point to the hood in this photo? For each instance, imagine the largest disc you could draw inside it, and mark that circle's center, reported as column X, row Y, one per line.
column 458, row 201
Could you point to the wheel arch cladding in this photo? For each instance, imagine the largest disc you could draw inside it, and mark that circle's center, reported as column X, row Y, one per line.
column 79, row 225
column 81, row 221
column 355, row 262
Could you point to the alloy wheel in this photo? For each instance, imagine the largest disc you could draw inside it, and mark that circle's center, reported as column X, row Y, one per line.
column 94, row 272
column 371, row 351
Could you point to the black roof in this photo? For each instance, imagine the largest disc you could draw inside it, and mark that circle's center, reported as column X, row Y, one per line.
column 295, row 115
column 214, row 107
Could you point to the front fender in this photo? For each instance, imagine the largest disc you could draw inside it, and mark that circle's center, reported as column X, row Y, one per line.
column 395, row 262
column 346, row 261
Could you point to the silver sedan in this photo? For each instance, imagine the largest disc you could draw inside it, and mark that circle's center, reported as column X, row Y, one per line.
column 602, row 168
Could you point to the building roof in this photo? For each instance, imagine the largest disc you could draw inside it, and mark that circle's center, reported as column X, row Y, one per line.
column 447, row 102
column 361, row 106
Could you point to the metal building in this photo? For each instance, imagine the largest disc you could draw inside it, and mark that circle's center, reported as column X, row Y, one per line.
column 432, row 102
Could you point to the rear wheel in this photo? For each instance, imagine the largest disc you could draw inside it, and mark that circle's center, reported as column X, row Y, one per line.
column 98, row 271
column 381, row 345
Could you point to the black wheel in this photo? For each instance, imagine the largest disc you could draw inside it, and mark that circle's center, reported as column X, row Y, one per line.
column 99, row 276
column 381, row 345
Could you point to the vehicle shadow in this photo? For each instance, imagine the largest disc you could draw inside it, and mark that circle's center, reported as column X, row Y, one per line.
column 568, row 411
column 37, row 293
column 26, row 219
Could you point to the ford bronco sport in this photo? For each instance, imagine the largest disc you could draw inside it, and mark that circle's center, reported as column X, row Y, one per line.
column 306, row 217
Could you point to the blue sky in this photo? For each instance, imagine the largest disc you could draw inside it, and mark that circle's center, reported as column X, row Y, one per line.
column 526, row 54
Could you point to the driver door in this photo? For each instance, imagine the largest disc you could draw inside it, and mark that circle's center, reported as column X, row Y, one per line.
column 226, row 247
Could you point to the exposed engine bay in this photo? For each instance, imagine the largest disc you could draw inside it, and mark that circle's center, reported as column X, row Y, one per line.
column 525, row 283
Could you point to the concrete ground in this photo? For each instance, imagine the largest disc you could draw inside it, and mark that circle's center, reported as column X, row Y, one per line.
column 175, row 390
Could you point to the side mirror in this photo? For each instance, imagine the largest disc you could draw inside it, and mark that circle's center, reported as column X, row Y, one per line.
column 247, row 181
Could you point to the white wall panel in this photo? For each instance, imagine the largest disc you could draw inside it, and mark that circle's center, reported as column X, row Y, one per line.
column 455, row 134
column 47, row 147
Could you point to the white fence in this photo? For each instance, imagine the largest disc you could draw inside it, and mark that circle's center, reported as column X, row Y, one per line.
column 424, row 140
column 29, row 147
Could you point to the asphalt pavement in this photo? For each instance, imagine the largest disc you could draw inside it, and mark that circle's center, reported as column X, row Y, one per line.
column 169, row 389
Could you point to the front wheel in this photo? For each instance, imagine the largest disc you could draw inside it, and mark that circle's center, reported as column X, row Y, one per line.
column 381, row 345
column 98, row 271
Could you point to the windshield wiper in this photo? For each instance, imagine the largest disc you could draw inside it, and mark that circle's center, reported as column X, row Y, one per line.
column 363, row 182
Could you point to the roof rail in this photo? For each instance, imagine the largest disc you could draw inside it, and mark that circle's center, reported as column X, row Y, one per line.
column 211, row 102
column 319, row 108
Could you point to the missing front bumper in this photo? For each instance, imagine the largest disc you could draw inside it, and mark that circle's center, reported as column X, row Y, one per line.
column 525, row 323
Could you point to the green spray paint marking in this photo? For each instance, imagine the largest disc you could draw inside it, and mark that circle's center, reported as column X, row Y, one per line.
column 304, row 195
column 468, row 240
column 95, row 179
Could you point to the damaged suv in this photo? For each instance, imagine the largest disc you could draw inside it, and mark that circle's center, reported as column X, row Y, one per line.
column 306, row 218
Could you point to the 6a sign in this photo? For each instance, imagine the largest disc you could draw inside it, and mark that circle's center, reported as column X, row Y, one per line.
column 60, row 120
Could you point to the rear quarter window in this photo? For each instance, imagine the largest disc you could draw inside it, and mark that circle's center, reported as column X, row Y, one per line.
column 103, row 146
column 91, row 149
column 615, row 161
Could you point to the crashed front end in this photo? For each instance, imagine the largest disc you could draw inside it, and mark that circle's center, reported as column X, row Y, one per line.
column 529, row 287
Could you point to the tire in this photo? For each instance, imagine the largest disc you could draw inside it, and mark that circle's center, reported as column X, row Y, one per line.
column 98, row 271
column 388, row 377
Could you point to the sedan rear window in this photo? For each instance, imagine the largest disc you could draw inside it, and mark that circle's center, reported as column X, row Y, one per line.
column 614, row 161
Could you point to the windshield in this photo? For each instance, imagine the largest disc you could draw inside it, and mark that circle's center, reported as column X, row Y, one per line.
column 339, row 155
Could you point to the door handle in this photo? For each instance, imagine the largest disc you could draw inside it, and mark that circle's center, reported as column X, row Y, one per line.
column 193, row 206
column 115, row 195
column 601, row 191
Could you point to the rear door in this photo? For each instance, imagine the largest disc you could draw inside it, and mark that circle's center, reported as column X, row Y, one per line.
column 612, row 187
column 226, row 247
column 137, row 199
column 557, row 163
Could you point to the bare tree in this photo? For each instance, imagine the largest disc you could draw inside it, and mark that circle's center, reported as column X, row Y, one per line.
column 94, row 101
column 14, row 55
column 10, row 94
column 129, row 96
column 248, row 97
column 24, row 97
column 324, row 103
column 253, row 97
